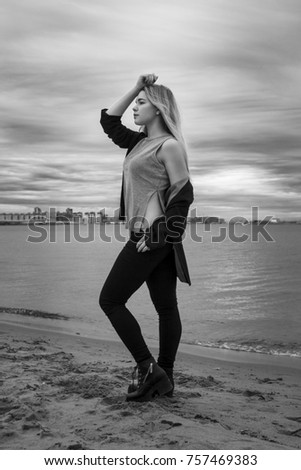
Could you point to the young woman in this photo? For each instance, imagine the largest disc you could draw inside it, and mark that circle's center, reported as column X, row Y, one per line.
column 156, row 194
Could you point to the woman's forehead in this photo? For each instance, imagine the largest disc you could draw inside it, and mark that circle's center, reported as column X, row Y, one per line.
column 142, row 95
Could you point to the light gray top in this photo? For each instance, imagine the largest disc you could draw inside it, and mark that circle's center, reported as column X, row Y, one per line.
column 144, row 175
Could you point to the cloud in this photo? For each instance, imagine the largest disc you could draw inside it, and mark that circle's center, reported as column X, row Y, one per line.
column 233, row 66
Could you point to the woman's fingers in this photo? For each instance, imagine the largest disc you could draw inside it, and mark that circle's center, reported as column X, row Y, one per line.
column 146, row 79
column 144, row 248
column 154, row 78
column 150, row 79
column 138, row 244
column 141, row 246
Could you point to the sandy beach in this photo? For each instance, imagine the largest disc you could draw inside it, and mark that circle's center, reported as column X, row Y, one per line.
column 65, row 391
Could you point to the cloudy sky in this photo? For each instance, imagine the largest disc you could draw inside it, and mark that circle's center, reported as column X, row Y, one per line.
column 233, row 65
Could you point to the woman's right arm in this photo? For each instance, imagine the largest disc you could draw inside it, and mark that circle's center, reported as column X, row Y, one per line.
column 111, row 118
column 119, row 107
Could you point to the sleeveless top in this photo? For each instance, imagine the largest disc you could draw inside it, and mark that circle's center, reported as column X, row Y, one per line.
column 144, row 177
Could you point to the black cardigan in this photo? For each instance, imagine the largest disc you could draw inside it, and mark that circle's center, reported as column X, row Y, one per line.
column 170, row 227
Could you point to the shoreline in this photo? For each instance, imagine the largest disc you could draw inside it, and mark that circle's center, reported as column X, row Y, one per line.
column 67, row 391
column 219, row 354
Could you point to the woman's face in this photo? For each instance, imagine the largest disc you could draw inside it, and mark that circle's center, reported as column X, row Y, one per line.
column 144, row 110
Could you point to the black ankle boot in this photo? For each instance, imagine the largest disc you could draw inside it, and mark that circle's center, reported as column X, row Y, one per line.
column 152, row 381
column 134, row 384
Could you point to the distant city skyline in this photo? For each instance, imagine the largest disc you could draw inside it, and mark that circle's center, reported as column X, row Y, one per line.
column 234, row 68
column 192, row 215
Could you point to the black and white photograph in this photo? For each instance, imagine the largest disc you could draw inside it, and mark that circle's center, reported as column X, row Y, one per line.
column 150, row 229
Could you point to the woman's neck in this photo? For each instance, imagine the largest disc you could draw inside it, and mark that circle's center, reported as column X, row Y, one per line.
column 156, row 129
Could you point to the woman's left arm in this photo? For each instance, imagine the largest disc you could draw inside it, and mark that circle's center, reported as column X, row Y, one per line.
column 171, row 154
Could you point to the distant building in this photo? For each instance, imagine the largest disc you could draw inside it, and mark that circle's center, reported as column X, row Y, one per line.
column 53, row 216
column 23, row 218
column 39, row 216
column 205, row 220
column 238, row 220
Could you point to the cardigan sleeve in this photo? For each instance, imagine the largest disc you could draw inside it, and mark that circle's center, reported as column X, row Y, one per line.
column 121, row 135
column 170, row 227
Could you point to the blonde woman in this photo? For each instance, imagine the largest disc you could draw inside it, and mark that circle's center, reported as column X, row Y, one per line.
column 155, row 197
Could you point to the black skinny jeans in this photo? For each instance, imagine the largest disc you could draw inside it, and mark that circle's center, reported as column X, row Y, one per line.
column 130, row 270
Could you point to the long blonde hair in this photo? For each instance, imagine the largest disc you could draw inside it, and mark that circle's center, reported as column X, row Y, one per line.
column 163, row 99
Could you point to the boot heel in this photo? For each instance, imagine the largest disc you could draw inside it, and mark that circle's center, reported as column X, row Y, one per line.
column 162, row 387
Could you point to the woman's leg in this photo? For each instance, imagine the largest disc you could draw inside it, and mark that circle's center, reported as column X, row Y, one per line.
column 162, row 284
column 128, row 273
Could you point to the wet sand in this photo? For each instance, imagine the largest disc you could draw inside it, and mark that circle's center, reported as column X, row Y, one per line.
column 64, row 391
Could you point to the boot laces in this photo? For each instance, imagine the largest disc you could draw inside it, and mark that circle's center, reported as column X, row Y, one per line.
column 140, row 375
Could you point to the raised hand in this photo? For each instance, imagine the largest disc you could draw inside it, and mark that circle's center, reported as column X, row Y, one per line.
column 146, row 80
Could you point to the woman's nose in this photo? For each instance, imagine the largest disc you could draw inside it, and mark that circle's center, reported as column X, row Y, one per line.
column 135, row 108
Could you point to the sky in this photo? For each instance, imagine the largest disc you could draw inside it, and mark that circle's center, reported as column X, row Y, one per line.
column 233, row 65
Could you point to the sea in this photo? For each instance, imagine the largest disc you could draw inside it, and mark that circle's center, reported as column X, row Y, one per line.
column 245, row 293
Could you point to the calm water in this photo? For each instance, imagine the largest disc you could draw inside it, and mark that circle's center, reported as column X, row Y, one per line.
column 243, row 295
